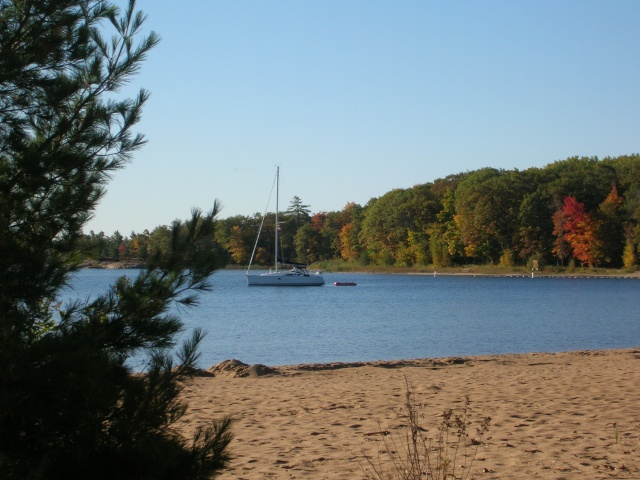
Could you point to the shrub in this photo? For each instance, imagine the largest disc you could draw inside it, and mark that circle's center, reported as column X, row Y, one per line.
column 416, row 456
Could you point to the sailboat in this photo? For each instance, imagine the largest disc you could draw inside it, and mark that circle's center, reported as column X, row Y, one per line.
column 296, row 274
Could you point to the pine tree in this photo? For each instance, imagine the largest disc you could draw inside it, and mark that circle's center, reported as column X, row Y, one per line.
column 71, row 405
column 298, row 210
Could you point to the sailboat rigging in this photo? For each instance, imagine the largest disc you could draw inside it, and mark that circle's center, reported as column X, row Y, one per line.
column 296, row 276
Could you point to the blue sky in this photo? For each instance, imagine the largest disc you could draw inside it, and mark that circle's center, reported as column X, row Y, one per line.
column 354, row 98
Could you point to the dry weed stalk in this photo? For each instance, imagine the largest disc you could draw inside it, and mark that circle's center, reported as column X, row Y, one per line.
column 419, row 456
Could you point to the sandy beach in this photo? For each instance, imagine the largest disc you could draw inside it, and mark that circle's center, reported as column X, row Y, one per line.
column 573, row 415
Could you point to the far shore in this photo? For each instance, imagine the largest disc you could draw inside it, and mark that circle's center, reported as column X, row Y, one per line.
column 477, row 271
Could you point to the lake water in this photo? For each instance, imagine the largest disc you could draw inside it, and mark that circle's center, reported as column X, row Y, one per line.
column 388, row 317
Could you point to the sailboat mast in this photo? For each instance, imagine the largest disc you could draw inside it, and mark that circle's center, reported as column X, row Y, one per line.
column 277, row 224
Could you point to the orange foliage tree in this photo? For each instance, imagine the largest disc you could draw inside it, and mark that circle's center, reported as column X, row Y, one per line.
column 579, row 229
column 236, row 246
column 348, row 249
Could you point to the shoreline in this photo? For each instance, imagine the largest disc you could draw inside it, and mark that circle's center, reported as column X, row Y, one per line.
column 567, row 415
column 234, row 368
column 605, row 273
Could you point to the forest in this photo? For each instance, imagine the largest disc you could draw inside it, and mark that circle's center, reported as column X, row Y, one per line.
column 582, row 211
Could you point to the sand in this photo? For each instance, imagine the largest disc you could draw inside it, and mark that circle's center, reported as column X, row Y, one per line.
column 573, row 415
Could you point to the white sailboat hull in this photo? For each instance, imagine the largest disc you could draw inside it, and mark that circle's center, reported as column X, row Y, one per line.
column 285, row 279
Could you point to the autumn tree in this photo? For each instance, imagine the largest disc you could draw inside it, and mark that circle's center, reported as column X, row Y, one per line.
column 348, row 243
column 237, row 236
column 351, row 217
column 142, row 241
column 236, row 246
column 579, row 230
column 629, row 257
column 70, row 405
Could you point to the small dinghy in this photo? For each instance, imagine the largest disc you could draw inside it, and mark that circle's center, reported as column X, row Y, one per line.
column 345, row 284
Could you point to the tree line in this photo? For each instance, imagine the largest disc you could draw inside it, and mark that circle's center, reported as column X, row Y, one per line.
column 581, row 210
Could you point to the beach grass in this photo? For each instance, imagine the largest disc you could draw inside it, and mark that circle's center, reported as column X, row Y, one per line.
column 412, row 453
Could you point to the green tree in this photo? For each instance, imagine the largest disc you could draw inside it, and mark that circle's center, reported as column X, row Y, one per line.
column 328, row 225
column 307, row 244
column 140, row 244
column 116, row 242
column 385, row 226
column 476, row 216
column 586, row 178
column 610, row 229
column 159, row 241
column 445, row 243
column 535, row 224
column 488, row 204
column 424, row 206
column 92, row 246
column 418, row 250
column 70, row 405
column 627, row 169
